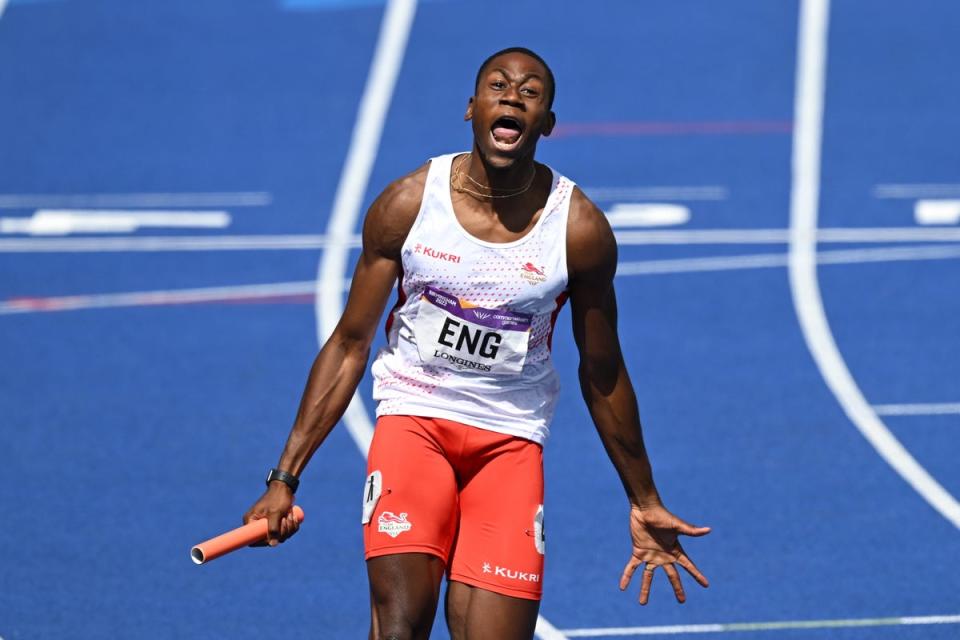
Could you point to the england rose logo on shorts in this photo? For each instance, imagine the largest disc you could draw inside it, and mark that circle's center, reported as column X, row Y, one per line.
column 392, row 524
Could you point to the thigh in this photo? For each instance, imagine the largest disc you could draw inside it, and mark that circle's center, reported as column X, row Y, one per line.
column 478, row 614
column 404, row 589
column 499, row 546
column 410, row 494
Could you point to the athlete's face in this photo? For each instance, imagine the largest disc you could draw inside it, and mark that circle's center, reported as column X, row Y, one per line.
column 510, row 111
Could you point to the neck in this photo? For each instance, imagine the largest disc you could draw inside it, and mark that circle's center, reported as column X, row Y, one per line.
column 498, row 178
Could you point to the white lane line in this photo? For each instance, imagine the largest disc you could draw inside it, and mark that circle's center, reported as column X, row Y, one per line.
column 888, row 254
column 238, row 293
column 782, row 236
column 669, row 193
column 760, row 626
column 703, row 264
column 886, row 234
column 308, row 241
column 915, row 191
column 804, row 286
column 918, row 409
column 770, row 260
column 172, row 243
column 266, row 292
column 62, row 222
column 135, row 200
column 704, row 236
column 638, row 268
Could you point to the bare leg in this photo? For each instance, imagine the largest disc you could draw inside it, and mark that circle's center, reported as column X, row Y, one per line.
column 374, row 623
column 404, row 590
column 478, row 614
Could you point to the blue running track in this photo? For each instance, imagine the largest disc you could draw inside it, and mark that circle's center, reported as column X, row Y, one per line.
column 146, row 385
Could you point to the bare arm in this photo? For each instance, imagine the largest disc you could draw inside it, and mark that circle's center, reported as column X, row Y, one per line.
column 604, row 381
column 608, row 393
column 339, row 367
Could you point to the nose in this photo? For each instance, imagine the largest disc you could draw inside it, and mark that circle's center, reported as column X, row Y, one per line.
column 511, row 97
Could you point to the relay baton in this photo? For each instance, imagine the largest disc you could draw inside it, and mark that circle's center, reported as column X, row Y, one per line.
column 253, row 531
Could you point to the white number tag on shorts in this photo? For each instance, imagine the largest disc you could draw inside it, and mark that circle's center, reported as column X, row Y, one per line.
column 470, row 338
column 539, row 539
column 372, row 489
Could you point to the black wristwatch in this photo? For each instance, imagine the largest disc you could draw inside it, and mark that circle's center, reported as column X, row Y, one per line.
column 286, row 478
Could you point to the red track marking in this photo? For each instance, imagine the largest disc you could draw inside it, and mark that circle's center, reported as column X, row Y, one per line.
column 69, row 303
column 653, row 128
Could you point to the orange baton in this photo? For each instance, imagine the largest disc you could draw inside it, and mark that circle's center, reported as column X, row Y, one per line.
column 253, row 531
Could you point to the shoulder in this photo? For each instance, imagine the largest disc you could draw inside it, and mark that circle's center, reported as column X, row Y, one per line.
column 393, row 213
column 591, row 245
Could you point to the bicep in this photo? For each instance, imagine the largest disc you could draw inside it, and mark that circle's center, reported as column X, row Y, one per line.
column 384, row 230
column 593, row 309
column 370, row 288
column 594, row 314
column 593, row 302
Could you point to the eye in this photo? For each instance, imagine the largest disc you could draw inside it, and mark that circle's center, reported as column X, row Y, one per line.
column 498, row 84
column 529, row 91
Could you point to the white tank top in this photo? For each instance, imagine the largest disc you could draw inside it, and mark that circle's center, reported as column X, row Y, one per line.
column 469, row 337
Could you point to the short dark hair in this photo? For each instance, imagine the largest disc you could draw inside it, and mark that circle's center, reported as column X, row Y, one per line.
column 527, row 52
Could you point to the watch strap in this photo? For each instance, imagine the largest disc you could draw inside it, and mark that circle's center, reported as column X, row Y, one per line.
column 286, row 478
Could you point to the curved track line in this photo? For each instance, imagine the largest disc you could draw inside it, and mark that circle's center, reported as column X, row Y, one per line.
column 804, row 286
column 546, row 631
column 391, row 44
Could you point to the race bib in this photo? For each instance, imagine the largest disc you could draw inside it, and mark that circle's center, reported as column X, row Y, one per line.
column 470, row 338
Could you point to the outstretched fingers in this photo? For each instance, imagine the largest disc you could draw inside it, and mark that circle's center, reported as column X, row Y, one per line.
column 646, row 582
column 628, row 572
column 684, row 561
column 674, row 576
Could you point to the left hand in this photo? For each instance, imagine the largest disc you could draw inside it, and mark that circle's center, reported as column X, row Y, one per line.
column 654, row 531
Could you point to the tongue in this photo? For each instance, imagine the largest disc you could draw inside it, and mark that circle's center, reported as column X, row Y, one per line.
column 506, row 134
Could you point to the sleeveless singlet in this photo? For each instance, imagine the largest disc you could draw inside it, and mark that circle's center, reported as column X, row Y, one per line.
column 469, row 337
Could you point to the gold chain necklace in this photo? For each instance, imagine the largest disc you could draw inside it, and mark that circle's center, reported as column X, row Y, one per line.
column 458, row 185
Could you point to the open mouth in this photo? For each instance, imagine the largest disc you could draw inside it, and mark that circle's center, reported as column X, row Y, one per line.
column 506, row 131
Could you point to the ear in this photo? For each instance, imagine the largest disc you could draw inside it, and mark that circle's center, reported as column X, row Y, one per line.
column 550, row 124
column 469, row 114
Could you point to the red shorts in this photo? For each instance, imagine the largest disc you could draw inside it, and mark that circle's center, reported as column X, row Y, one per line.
column 472, row 497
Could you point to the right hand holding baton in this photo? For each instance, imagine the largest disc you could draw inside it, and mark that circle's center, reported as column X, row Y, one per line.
column 255, row 531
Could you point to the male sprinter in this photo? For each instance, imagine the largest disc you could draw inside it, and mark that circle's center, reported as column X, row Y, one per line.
column 486, row 246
